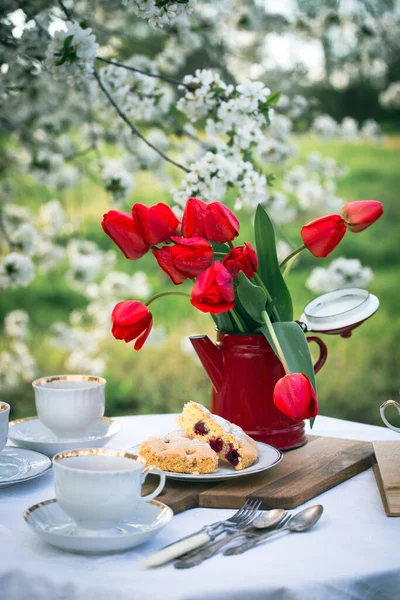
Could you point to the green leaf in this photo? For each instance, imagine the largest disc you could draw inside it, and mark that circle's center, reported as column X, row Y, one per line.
column 268, row 268
column 265, row 331
column 252, row 297
column 295, row 348
column 218, row 247
column 223, row 322
column 273, row 99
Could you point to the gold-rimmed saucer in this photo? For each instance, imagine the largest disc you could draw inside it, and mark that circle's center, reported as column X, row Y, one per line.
column 32, row 434
column 54, row 527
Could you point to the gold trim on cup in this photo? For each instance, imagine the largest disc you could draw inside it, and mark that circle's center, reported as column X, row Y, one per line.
column 31, row 509
column 51, row 378
column 390, row 403
column 17, row 421
column 93, row 452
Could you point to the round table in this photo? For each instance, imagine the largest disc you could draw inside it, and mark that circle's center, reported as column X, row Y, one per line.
column 353, row 552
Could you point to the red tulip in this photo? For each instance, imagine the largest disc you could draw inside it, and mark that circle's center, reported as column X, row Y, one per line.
column 213, row 291
column 187, row 259
column 295, row 396
column 125, row 233
column 323, row 235
column 220, row 223
column 131, row 320
column 242, row 258
column 157, row 223
column 193, row 218
column 361, row 214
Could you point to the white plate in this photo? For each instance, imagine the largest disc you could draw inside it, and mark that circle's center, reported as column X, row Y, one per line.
column 31, row 433
column 18, row 465
column 268, row 457
column 53, row 526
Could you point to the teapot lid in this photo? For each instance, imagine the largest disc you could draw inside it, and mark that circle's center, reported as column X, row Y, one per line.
column 339, row 311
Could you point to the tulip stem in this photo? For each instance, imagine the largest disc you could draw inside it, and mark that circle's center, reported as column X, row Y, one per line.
column 275, row 340
column 238, row 322
column 231, row 245
column 166, row 294
column 291, row 255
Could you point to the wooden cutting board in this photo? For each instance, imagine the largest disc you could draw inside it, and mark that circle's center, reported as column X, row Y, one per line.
column 387, row 475
column 303, row 474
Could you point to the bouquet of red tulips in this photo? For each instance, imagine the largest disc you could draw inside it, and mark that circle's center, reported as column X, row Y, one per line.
column 243, row 289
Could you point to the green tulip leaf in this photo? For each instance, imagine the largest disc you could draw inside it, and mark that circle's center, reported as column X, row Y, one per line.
column 268, row 266
column 223, row 322
column 252, row 297
column 295, row 348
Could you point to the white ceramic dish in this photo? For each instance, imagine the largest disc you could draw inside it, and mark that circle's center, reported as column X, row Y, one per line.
column 18, row 465
column 53, row 526
column 268, row 457
column 32, row 434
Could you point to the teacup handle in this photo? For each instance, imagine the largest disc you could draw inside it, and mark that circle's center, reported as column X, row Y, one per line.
column 382, row 411
column 159, row 488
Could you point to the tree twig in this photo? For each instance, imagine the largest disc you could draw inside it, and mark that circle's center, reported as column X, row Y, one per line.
column 142, row 72
column 68, row 14
column 132, row 127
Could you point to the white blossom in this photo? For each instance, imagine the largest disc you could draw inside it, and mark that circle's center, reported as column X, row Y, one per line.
column 71, row 53
column 140, row 286
column 390, row 98
column 342, row 272
column 52, row 218
column 160, row 16
column 16, row 270
column 118, row 181
column 16, row 324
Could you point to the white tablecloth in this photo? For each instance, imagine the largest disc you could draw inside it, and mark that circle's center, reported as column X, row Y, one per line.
column 352, row 553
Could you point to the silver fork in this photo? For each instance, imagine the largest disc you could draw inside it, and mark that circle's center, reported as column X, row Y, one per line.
column 204, row 535
column 197, row 556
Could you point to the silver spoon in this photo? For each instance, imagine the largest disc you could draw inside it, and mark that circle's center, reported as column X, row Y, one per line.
column 302, row 521
column 266, row 520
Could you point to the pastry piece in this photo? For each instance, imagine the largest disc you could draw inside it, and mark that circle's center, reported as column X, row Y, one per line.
column 178, row 453
column 229, row 441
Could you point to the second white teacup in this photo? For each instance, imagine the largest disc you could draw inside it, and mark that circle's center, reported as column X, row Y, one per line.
column 383, row 416
column 69, row 405
column 4, row 418
column 98, row 487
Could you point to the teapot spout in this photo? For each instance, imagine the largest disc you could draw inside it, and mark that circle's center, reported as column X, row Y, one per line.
column 210, row 357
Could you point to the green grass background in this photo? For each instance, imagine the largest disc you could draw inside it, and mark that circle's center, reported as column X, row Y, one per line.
column 361, row 372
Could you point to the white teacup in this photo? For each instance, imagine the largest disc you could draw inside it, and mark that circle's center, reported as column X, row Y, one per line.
column 4, row 418
column 98, row 487
column 383, row 416
column 69, row 405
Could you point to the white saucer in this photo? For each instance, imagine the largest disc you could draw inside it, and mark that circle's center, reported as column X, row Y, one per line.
column 268, row 457
column 31, row 433
column 53, row 526
column 18, row 465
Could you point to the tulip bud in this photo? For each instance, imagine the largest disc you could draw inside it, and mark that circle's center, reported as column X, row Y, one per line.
column 213, row 291
column 323, row 235
column 157, row 223
column 125, row 233
column 186, row 259
column 241, row 258
column 221, row 224
column 193, row 218
column 131, row 320
column 361, row 214
column 295, row 396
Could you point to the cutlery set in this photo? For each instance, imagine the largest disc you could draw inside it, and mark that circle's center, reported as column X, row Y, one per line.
column 248, row 523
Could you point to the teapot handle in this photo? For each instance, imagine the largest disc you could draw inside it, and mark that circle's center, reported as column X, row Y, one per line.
column 323, row 352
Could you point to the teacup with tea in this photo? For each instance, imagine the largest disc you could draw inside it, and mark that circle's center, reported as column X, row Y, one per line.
column 99, row 487
column 69, row 405
column 4, row 418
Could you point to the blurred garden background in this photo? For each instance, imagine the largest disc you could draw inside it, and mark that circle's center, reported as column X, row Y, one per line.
column 67, row 157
